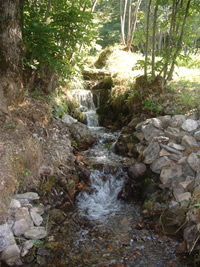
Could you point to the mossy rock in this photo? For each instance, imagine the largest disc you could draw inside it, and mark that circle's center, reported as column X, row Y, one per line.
column 103, row 57
column 105, row 83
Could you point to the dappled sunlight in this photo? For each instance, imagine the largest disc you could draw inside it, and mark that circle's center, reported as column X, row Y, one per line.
column 122, row 63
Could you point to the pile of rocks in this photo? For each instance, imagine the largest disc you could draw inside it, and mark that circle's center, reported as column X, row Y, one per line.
column 24, row 224
column 170, row 146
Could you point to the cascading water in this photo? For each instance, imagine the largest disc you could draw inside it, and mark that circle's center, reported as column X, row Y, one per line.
column 102, row 231
column 85, row 100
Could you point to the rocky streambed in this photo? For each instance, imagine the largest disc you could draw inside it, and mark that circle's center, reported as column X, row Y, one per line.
column 100, row 228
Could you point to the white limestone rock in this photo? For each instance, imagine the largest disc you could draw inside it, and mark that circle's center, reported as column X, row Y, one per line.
column 189, row 125
column 20, row 227
column 37, row 218
column 23, row 213
column 177, row 120
column 159, row 163
column 197, row 136
column 157, row 123
column 29, row 196
column 194, row 161
column 35, row 233
column 11, row 255
column 26, row 247
column 15, row 204
column 189, row 141
column 170, row 173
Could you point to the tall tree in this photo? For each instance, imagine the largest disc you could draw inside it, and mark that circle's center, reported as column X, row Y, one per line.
column 11, row 89
column 147, row 38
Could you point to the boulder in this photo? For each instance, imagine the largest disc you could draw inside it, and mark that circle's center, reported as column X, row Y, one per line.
column 159, row 163
column 137, row 170
column 151, row 153
column 82, row 135
column 157, row 123
column 177, row 120
column 23, row 213
column 197, row 136
column 29, row 196
column 189, row 141
column 170, row 173
column 11, row 255
column 183, row 197
column 35, row 233
column 36, row 217
column 105, row 83
column 188, row 184
column 150, row 132
column 194, row 161
column 20, row 227
column 189, row 125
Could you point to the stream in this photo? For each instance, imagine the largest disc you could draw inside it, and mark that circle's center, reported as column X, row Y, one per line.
column 103, row 230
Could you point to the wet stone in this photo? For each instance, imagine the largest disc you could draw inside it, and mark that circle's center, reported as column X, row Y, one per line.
column 137, row 170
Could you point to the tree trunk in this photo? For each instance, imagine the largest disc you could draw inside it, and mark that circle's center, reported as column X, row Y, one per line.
column 147, row 38
column 129, row 20
column 123, row 19
column 154, row 39
column 133, row 25
column 11, row 89
column 169, row 45
column 169, row 77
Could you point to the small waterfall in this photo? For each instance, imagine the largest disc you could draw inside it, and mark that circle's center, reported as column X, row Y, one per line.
column 87, row 106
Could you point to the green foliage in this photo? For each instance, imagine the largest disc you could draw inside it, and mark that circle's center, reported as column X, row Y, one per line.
column 152, row 105
column 53, row 31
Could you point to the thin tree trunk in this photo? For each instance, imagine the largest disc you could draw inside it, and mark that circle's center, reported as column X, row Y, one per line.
column 129, row 20
column 123, row 19
column 169, row 45
column 147, row 38
column 169, row 77
column 154, row 39
column 133, row 25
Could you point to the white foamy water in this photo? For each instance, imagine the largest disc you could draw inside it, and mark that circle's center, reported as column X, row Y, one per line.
column 101, row 199
column 85, row 100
